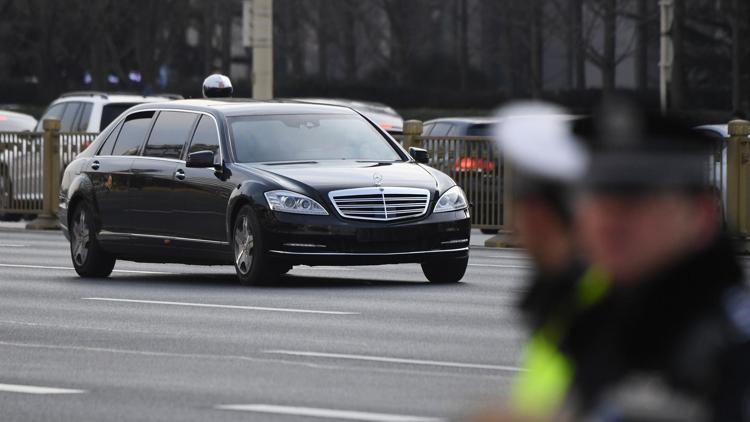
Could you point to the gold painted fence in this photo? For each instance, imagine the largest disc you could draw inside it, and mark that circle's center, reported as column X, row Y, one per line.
column 22, row 169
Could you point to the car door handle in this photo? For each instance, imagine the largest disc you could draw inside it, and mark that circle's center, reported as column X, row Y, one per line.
column 95, row 165
column 180, row 174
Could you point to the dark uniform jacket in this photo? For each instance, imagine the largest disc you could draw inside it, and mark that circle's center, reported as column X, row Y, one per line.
column 675, row 347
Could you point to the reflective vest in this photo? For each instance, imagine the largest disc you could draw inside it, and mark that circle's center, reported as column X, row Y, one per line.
column 539, row 390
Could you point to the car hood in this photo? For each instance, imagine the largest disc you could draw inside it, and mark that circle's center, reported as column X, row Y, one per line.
column 324, row 177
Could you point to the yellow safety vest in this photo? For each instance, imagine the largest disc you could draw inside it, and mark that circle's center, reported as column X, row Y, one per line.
column 539, row 390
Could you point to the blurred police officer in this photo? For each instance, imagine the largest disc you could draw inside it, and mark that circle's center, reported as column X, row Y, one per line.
column 671, row 340
column 536, row 139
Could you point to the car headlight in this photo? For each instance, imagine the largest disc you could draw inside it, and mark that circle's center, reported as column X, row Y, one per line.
column 285, row 201
column 453, row 199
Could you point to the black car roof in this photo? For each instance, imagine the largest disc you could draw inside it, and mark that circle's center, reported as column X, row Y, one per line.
column 244, row 107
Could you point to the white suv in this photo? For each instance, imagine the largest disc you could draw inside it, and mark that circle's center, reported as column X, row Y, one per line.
column 93, row 111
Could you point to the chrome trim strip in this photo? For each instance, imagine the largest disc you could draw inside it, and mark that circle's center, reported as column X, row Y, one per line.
column 154, row 236
column 434, row 251
column 448, row 242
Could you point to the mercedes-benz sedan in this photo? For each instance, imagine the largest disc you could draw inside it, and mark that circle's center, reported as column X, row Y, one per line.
column 262, row 186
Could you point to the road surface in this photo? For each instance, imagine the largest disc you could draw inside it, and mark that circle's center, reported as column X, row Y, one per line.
column 187, row 343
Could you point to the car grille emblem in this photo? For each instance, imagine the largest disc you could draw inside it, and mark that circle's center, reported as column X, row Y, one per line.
column 377, row 178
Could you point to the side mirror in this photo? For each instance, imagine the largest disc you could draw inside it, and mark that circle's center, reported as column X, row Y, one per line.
column 420, row 155
column 200, row 159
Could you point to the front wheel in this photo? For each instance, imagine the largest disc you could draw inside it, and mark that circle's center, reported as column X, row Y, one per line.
column 445, row 270
column 250, row 262
column 89, row 259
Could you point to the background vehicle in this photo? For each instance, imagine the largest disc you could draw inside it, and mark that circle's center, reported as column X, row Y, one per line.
column 92, row 111
column 718, row 160
column 262, row 186
column 10, row 121
column 469, row 159
column 385, row 117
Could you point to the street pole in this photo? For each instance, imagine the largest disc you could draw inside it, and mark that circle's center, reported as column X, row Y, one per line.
column 665, row 51
column 257, row 34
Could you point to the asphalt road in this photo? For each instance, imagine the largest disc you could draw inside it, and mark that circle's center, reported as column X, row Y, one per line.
column 174, row 342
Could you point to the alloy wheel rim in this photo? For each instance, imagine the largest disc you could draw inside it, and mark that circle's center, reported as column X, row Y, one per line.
column 244, row 242
column 80, row 238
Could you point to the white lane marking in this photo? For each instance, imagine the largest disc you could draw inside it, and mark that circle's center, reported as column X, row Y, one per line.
column 10, row 245
column 367, row 371
column 50, row 267
column 209, row 305
column 394, row 360
column 314, row 412
column 525, row 267
column 30, row 389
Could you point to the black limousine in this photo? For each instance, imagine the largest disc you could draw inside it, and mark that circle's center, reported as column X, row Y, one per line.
column 262, row 186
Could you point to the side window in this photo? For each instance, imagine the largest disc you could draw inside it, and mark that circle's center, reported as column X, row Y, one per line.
column 132, row 133
column 440, row 129
column 83, row 118
column 454, row 130
column 427, row 128
column 109, row 143
column 54, row 111
column 206, row 137
column 170, row 134
column 69, row 116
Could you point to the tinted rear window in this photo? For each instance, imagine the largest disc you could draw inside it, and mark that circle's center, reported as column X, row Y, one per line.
column 111, row 111
column 133, row 133
column 170, row 134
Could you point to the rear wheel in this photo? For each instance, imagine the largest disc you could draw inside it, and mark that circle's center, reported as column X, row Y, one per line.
column 250, row 262
column 445, row 270
column 89, row 259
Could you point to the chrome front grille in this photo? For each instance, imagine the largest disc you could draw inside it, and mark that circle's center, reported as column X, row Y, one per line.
column 381, row 204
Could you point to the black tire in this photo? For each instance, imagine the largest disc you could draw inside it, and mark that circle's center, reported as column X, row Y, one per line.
column 445, row 270
column 489, row 231
column 89, row 259
column 252, row 265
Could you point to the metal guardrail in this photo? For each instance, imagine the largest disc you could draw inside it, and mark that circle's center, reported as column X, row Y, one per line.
column 22, row 167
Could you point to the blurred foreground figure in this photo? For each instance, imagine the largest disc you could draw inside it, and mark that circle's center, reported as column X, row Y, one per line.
column 537, row 140
column 671, row 339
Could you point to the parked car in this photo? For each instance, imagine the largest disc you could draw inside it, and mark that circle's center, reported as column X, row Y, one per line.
column 78, row 112
column 11, row 121
column 262, row 186
column 468, row 159
column 382, row 115
column 92, row 111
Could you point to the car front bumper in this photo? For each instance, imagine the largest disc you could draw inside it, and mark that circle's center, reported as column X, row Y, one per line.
column 330, row 240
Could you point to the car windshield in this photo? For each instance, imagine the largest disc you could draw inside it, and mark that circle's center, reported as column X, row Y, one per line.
column 308, row 137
